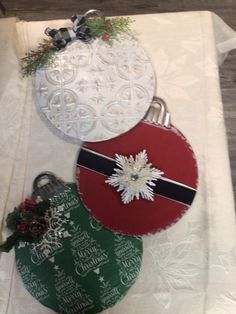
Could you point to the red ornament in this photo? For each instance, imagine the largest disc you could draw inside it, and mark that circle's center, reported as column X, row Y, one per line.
column 168, row 151
column 106, row 37
column 22, row 227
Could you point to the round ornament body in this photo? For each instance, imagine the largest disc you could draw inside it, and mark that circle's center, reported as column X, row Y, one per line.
column 95, row 91
column 168, row 152
column 78, row 266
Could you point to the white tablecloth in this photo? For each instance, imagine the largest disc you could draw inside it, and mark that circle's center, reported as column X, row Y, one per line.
column 189, row 268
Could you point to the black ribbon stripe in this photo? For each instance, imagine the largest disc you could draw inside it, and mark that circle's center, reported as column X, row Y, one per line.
column 172, row 190
column 105, row 165
column 64, row 35
column 96, row 162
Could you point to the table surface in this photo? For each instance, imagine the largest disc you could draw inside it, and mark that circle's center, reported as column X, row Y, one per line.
column 193, row 263
column 32, row 11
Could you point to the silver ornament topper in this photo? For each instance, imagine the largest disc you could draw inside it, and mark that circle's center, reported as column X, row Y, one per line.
column 46, row 185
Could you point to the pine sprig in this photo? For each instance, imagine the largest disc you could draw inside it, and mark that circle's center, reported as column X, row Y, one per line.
column 38, row 58
column 120, row 24
column 108, row 29
column 27, row 222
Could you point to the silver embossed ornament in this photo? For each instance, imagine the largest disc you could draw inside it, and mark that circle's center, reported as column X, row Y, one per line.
column 94, row 91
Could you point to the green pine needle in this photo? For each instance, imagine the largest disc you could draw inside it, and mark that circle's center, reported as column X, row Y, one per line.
column 9, row 243
column 36, row 59
column 106, row 29
column 112, row 27
column 12, row 219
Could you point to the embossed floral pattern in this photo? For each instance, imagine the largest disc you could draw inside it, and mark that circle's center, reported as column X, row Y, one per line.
column 172, row 78
column 173, row 268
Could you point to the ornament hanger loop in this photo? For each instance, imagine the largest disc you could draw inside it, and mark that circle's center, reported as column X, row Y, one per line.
column 158, row 112
column 94, row 13
column 43, row 179
column 47, row 185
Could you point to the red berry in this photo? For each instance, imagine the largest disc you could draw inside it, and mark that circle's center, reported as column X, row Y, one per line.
column 45, row 46
column 36, row 55
column 52, row 44
column 28, row 205
column 22, row 227
column 108, row 25
column 106, row 37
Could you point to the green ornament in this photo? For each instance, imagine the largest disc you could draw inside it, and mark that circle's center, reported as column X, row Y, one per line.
column 78, row 266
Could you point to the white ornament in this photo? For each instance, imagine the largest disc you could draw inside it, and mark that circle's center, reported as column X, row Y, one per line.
column 134, row 177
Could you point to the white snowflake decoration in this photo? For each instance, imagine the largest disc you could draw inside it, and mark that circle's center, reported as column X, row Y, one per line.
column 50, row 243
column 134, row 177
